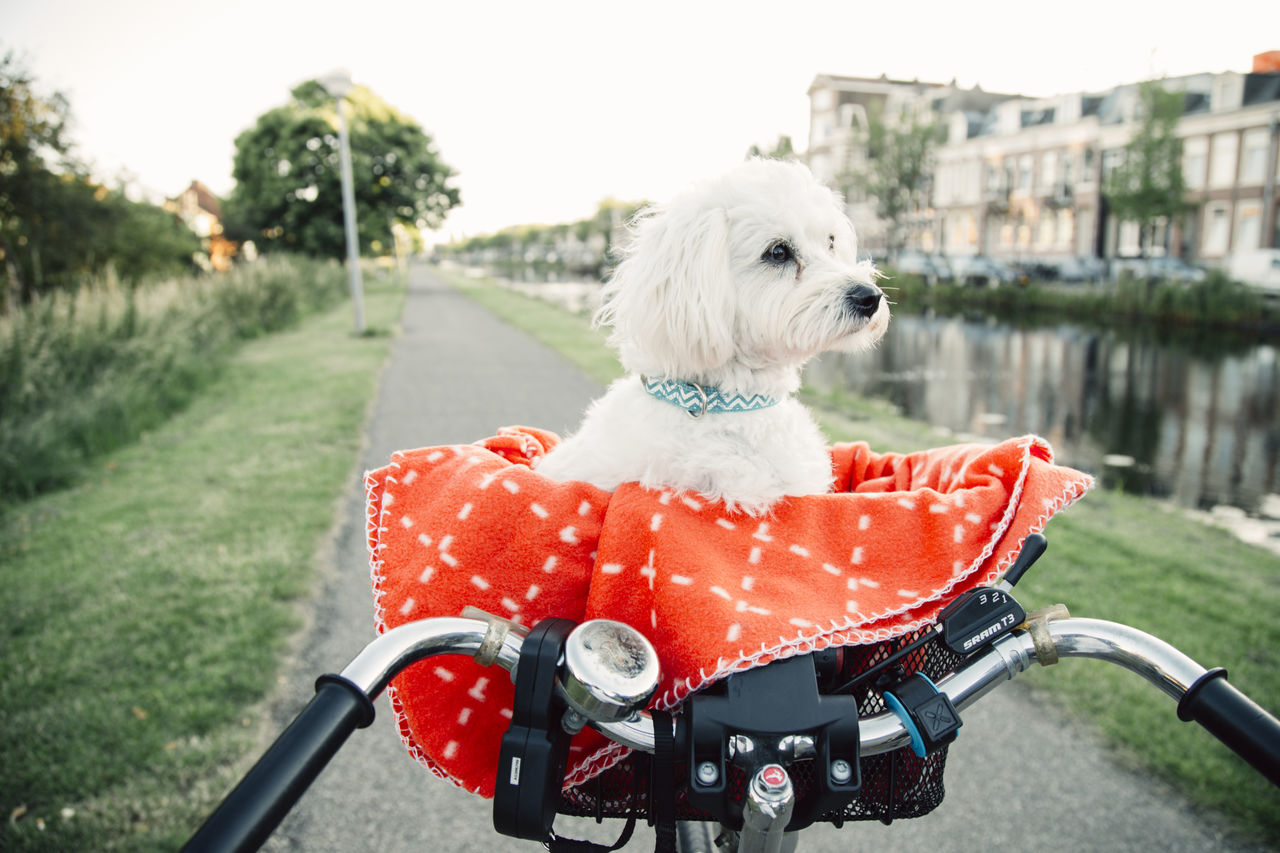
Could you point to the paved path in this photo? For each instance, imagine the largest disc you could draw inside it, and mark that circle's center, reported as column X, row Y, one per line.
column 1019, row 778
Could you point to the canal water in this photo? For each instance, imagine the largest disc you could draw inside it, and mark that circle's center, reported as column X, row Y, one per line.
column 1192, row 421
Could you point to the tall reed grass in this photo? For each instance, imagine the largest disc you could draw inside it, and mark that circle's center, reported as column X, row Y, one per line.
column 83, row 373
column 1217, row 302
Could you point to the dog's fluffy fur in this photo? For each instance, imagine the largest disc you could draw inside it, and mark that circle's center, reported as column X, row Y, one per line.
column 734, row 284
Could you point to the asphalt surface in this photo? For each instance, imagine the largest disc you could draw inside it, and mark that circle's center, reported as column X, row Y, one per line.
column 1020, row 776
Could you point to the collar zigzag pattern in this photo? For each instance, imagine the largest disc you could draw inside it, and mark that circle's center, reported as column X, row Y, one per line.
column 697, row 399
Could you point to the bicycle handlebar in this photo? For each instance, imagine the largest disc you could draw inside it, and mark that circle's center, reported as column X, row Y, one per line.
column 345, row 702
column 1236, row 720
column 256, row 806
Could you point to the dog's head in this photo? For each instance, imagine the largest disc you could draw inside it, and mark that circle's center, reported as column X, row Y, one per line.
column 754, row 271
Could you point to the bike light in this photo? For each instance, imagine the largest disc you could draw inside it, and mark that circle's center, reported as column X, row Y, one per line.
column 610, row 671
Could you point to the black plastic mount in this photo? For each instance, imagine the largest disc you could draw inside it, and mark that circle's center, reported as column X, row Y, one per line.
column 535, row 748
column 978, row 617
column 767, row 704
column 928, row 714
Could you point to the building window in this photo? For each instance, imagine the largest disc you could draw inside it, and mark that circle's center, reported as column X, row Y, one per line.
column 995, row 179
column 1222, row 164
column 1253, row 164
column 1248, row 225
column 1090, row 163
column 1045, row 235
column 1048, row 170
column 1195, row 157
column 1217, row 229
column 1025, row 163
column 1066, row 225
column 1111, row 160
column 1128, row 241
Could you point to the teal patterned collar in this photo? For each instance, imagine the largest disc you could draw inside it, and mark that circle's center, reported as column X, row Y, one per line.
column 697, row 400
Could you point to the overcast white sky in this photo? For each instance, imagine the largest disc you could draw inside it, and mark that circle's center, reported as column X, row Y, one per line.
column 544, row 109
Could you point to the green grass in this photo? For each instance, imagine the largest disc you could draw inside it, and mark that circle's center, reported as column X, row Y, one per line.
column 147, row 608
column 1111, row 556
column 86, row 372
column 1142, row 563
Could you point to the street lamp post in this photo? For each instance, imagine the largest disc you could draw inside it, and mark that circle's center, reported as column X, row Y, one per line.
column 338, row 84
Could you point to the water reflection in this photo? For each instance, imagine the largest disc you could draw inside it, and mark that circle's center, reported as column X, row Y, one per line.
column 1201, row 429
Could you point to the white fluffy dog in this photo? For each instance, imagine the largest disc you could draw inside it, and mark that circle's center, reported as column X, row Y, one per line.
column 721, row 297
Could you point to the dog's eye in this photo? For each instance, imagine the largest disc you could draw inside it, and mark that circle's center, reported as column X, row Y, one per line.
column 778, row 253
column 831, row 242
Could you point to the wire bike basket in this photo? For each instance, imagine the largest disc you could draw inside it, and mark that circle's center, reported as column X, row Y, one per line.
column 894, row 785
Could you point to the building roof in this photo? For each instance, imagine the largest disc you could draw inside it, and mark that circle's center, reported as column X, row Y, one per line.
column 204, row 198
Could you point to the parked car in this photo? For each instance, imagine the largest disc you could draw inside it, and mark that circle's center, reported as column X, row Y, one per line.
column 931, row 268
column 1258, row 268
column 1166, row 268
column 1082, row 268
column 982, row 270
column 1039, row 270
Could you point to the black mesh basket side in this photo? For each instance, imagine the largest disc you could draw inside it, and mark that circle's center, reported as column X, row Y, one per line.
column 894, row 785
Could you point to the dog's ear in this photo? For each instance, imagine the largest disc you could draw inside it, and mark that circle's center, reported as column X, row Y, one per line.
column 670, row 300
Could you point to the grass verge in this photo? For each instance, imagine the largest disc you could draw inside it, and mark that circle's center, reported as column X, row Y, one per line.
column 146, row 608
column 86, row 372
column 1112, row 556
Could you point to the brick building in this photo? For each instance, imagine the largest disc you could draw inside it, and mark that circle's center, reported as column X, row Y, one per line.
column 1021, row 178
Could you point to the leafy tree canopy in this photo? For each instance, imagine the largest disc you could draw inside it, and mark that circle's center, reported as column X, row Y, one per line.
column 58, row 226
column 898, row 165
column 1148, row 185
column 783, row 149
column 288, row 192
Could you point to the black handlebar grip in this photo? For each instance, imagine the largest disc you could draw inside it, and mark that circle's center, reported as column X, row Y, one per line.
column 1236, row 720
column 256, row 806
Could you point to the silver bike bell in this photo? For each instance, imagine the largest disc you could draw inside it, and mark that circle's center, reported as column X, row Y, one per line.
column 611, row 671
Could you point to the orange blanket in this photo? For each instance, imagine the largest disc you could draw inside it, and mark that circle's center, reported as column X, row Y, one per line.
column 716, row 593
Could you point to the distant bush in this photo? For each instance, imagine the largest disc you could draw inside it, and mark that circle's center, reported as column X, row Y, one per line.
column 1216, row 301
column 83, row 373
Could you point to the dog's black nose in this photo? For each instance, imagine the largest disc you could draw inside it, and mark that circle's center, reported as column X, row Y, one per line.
column 862, row 300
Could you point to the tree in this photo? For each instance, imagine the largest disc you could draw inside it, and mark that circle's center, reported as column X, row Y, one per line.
column 58, row 226
column 31, row 136
column 897, row 168
column 1148, row 187
column 288, row 184
column 783, row 149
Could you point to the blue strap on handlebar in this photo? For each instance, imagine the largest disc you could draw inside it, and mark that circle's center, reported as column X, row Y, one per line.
column 920, row 703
